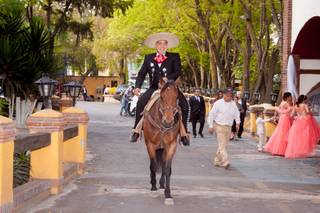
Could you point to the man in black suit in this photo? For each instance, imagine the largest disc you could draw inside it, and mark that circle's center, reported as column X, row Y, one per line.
column 243, row 103
column 198, row 112
column 161, row 64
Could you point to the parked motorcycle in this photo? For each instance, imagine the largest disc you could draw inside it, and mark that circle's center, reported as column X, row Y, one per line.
column 132, row 105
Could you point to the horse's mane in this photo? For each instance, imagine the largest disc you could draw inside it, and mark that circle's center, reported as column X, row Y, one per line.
column 168, row 84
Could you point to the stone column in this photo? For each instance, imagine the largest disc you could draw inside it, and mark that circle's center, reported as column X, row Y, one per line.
column 76, row 116
column 46, row 163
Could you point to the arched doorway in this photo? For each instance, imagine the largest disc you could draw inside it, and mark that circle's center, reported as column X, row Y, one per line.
column 306, row 53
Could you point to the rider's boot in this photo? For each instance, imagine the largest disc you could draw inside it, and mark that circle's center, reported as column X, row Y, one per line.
column 185, row 139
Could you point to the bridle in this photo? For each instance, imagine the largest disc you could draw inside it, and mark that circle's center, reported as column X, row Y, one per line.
column 162, row 109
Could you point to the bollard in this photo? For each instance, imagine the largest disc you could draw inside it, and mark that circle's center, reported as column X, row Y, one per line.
column 46, row 163
column 75, row 150
column 270, row 126
column 7, row 135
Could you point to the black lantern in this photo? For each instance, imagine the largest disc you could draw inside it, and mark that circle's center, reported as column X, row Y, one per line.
column 46, row 88
column 257, row 96
column 73, row 89
column 274, row 97
column 246, row 95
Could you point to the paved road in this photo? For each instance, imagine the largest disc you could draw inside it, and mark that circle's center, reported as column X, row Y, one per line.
column 117, row 178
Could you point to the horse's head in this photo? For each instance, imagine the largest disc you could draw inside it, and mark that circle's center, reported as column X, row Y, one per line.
column 168, row 102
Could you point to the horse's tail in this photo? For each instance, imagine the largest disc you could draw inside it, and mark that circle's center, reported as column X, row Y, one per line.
column 159, row 156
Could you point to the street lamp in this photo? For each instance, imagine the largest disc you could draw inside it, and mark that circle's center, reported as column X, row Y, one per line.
column 274, row 97
column 46, row 88
column 73, row 89
column 246, row 95
column 257, row 96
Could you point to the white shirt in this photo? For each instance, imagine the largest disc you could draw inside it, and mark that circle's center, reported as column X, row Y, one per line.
column 106, row 90
column 260, row 125
column 224, row 113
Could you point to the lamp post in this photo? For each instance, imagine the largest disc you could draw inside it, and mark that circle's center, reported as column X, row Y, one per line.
column 274, row 97
column 257, row 97
column 46, row 88
column 73, row 89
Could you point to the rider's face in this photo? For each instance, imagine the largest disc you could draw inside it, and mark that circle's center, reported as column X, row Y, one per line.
column 162, row 46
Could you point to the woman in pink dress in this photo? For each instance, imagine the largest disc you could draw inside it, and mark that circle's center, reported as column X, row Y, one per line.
column 304, row 133
column 277, row 143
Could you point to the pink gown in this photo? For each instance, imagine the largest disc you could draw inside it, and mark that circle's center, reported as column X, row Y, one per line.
column 303, row 137
column 278, row 141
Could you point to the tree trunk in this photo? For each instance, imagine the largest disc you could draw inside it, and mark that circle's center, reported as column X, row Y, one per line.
column 193, row 69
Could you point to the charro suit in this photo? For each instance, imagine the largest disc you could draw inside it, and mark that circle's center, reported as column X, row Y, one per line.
column 170, row 68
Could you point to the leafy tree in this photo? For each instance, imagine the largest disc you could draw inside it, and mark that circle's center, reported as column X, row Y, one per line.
column 24, row 52
column 62, row 15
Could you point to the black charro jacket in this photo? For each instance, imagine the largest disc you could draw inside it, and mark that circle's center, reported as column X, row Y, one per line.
column 170, row 68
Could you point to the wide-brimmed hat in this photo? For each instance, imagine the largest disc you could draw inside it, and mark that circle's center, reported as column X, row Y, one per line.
column 171, row 38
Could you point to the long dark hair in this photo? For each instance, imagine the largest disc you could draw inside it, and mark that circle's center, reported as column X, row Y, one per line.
column 301, row 99
column 286, row 95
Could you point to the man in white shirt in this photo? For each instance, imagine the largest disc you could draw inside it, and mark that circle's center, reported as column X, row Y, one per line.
column 220, row 120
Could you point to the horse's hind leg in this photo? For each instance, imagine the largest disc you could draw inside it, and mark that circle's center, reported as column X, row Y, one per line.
column 153, row 170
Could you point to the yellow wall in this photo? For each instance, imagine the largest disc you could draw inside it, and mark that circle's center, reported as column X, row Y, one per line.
column 93, row 83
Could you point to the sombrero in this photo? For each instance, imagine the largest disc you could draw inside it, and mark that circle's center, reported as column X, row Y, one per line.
column 172, row 39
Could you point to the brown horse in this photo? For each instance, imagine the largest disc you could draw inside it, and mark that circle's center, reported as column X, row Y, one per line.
column 161, row 130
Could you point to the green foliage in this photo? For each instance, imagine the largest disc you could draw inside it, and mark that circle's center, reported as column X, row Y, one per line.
column 24, row 51
column 21, row 169
column 4, row 107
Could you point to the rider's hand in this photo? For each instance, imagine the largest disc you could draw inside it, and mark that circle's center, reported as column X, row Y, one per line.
column 137, row 91
column 211, row 130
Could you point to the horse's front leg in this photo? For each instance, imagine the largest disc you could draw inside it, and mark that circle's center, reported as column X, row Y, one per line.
column 153, row 170
column 153, row 166
column 170, row 151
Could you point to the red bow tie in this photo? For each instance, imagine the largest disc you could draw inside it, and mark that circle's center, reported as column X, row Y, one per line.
column 160, row 58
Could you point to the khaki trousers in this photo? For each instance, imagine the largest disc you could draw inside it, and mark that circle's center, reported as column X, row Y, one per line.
column 223, row 133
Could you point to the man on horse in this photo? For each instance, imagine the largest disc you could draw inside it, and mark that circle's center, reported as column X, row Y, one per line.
column 161, row 64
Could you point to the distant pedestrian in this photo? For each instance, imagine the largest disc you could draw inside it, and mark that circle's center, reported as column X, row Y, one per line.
column 106, row 90
column 261, row 130
column 84, row 93
column 242, row 105
column 125, row 101
column 197, row 112
column 220, row 120
column 234, row 126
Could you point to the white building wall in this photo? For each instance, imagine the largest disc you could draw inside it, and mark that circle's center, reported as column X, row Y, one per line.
column 302, row 11
column 307, row 81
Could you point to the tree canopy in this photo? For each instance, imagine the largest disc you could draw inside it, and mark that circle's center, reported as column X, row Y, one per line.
column 221, row 41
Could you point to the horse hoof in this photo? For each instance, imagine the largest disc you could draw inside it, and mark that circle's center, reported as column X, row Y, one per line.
column 154, row 194
column 168, row 202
